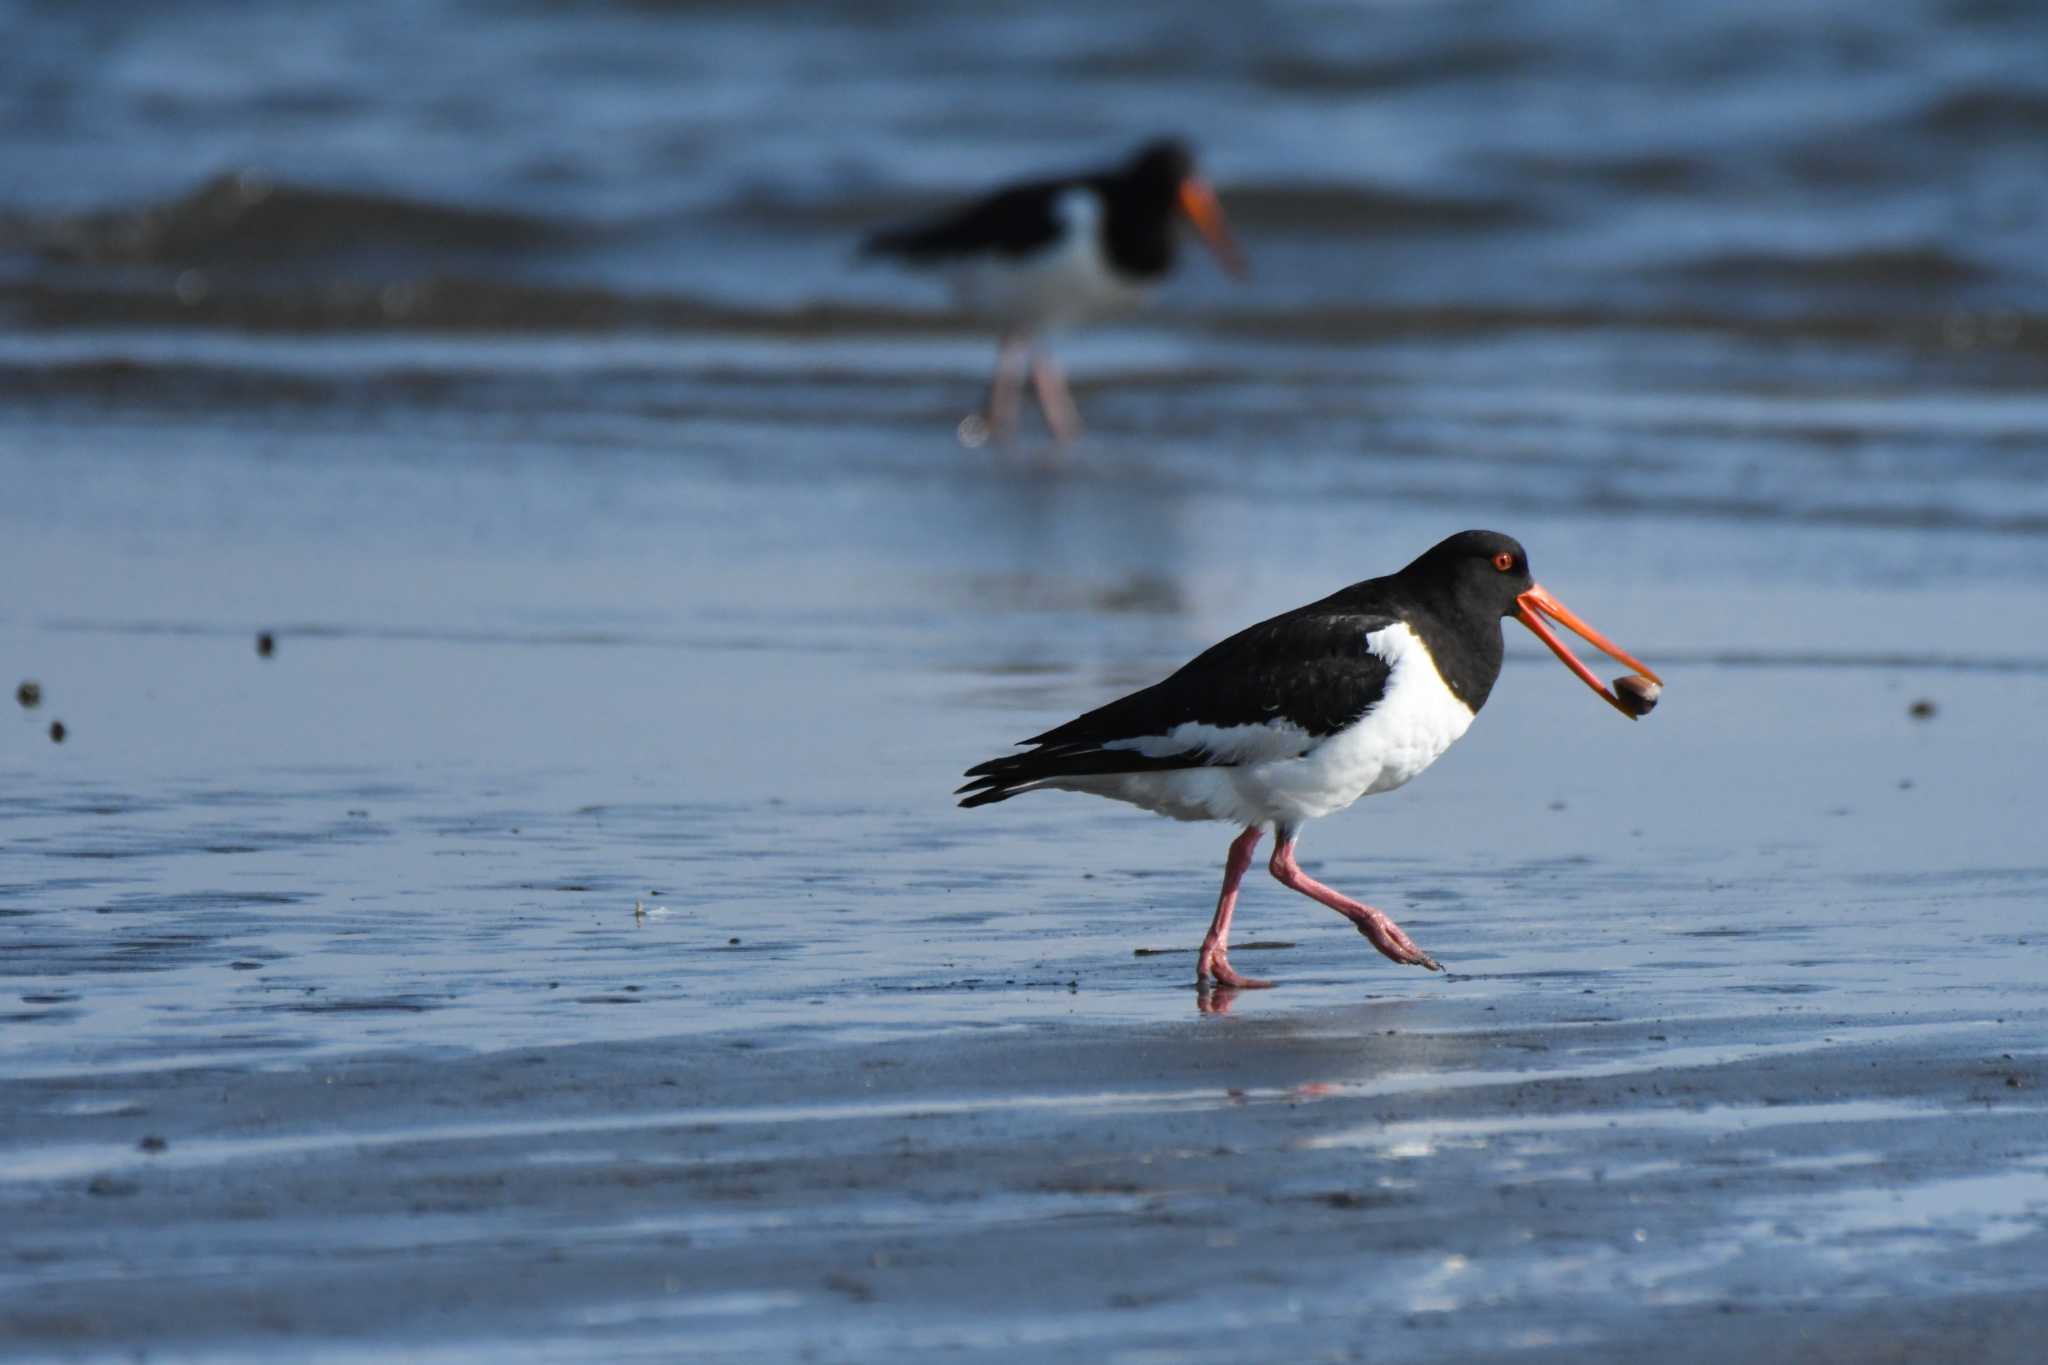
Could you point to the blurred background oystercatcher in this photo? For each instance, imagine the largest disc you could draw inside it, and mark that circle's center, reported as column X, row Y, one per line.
column 1045, row 254
column 1299, row 716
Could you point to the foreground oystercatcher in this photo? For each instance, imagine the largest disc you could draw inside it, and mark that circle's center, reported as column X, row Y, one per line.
column 1299, row 716
column 1047, row 254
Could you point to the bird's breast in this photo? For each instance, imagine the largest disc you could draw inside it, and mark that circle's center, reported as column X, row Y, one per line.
column 1068, row 280
column 1416, row 718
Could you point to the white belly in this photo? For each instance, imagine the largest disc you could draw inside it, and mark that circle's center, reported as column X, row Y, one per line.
column 1067, row 283
column 1416, row 720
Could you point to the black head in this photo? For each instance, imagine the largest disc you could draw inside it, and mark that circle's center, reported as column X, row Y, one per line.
column 1160, row 166
column 1158, row 184
column 1480, row 574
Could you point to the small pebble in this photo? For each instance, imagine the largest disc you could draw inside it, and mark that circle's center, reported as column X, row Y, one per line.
column 1922, row 709
column 1638, row 694
column 152, row 1143
column 266, row 645
column 57, row 732
column 29, row 694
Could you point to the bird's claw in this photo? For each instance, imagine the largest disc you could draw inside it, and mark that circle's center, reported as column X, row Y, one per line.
column 1394, row 944
column 1217, row 968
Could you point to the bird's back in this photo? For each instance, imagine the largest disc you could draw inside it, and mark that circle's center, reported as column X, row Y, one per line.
column 1011, row 222
column 1272, row 690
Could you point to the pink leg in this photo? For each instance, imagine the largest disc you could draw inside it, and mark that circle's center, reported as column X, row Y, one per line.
column 1384, row 933
column 1053, row 399
column 1215, row 958
column 1005, row 391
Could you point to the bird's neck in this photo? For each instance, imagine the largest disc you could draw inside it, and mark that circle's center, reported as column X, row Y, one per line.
column 1467, row 647
column 1137, row 234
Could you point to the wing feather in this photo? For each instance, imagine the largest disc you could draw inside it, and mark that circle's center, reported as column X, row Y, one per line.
column 1274, row 690
column 1010, row 222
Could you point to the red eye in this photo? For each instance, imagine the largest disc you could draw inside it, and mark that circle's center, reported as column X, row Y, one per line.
column 1503, row 561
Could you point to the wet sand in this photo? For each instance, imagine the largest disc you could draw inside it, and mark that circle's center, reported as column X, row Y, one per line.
column 1738, row 1053
column 1393, row 1178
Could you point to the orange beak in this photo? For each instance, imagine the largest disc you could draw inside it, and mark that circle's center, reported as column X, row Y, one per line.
column 1198, row 202
column 1530, row 609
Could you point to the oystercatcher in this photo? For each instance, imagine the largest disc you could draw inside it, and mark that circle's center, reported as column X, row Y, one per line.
column 1047, row 254
column 1299, row 716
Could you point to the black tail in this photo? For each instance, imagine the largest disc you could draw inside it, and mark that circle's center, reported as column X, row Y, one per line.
column 988, row 797
column 999, row 779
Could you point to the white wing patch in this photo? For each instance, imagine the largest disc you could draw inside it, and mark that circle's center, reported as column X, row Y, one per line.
column 1225, row 743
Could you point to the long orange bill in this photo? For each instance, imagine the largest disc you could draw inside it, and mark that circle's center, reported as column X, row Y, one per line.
column 1198, row 202
column 1530, row 609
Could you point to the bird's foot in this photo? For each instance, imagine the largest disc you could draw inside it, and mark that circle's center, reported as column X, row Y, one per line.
column 1214, row 965
column 977, row 429
column 1226, row 976
column 1213, row 999
column 1388, row 938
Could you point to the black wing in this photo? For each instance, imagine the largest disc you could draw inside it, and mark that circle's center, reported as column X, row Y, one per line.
column 1310, row 669
column 1010, row 222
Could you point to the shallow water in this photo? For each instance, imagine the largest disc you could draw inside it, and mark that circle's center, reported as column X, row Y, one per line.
column 567, row 939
